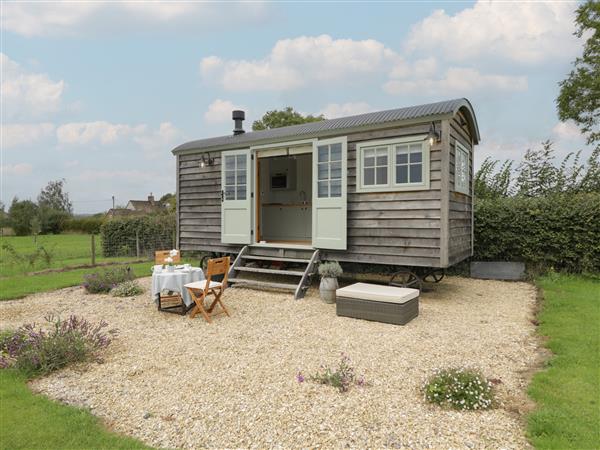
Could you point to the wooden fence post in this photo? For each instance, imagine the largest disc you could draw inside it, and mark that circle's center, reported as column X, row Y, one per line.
column 93, row 250
column 137, row 245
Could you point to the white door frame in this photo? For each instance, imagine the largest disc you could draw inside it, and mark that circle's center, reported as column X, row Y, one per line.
column 238, row 211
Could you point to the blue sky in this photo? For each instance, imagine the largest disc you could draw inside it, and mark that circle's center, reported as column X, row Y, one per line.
column 99, row 93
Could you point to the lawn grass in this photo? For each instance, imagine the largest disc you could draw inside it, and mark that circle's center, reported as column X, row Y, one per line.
column 18, row 286
column 567, row 392
column 65, row 250
column 31, row 421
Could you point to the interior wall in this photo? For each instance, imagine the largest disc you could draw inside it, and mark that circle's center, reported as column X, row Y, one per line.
column 286, row 214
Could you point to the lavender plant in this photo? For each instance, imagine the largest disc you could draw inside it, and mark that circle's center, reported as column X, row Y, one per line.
column 461, row 388
column 105, row 280
column 37, row 351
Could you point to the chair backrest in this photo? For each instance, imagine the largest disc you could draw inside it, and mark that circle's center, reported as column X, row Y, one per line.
column 161, row 255
column 217, row 266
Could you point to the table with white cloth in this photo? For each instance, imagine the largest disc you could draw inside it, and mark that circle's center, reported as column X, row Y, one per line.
column 175, row 281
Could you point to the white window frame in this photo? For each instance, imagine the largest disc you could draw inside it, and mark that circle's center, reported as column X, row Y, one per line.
column 459, row 187
column 391, row 185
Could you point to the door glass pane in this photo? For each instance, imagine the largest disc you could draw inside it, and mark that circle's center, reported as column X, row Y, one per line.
column 241, row 162
column 323, row 190
column 241, row 177
column 336, row 152
column 229, row 177
column 382, row 175
column 336, row 188
column 401, row 174
column 336, row 169
column 229, row 192
column 416, row 173
column 369, row 176
column 230, row 162
column 323, row 171
column 323, row 153
column 241, row 192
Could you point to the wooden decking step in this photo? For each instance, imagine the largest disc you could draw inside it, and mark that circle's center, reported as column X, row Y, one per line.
column 275, row 258
column 264, row 284
column 272, row 271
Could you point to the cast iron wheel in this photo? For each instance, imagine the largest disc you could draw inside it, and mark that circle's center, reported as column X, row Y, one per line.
column 406, row 279
column 435, row 276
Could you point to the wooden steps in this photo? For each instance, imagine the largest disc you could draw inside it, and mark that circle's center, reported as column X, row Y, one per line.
column 263, row 284
column 295, row 273
column 272, row 268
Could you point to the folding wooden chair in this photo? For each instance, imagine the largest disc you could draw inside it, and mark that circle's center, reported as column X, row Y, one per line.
column 161, row 255
column 200, row 290
column 169, row 301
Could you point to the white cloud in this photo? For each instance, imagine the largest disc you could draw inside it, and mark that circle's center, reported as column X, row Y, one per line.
column 28, row 94
column 16, row 169
column 219, row 111
column 78, row 18
column 567, row 130
column 456, row 81
column 525, row 32
column 294, row 63
column 94, row 132
column 21, row 134
column 333, row 110
column 159, row 142
column 152, row 142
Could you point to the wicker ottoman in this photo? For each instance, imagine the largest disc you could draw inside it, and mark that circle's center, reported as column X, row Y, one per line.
column 386, row 304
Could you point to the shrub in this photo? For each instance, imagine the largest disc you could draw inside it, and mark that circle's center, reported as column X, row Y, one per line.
column 35, row 351
column 28, row 261
column 107, row 279
column 341, row 377
column 87, row 225
column 459, row 389
column 52, row 221
column 559, row 231
column 127, row 289
column 331, row 269
column 152, row 232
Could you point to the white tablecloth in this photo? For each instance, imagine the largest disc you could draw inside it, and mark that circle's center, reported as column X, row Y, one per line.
column 174, row 281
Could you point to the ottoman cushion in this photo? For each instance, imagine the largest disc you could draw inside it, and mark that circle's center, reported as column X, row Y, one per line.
column 375, row 292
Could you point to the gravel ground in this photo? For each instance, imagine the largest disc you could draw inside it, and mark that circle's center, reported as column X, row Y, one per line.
column 180, row 383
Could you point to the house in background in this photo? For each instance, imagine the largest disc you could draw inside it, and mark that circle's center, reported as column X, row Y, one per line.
column 390, row 187
column 138, row 208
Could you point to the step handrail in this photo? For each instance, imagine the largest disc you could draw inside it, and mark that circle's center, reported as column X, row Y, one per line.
column 237, row 262
column 301, row 290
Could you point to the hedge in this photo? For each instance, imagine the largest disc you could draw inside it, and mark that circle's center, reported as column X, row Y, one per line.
column 123, row 237
column 560, row 231
column 88, row 225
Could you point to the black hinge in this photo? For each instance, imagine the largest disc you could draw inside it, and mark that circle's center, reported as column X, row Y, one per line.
column 252, row 195
column 251, row 232
column 252, row 156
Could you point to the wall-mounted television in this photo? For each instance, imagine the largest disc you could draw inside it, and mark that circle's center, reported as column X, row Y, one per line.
column 279, row 181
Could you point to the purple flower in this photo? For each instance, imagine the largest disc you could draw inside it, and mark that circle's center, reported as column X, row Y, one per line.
column 299, row 377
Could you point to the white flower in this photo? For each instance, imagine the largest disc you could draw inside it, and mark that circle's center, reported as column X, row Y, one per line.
column 169, row 260
column 173, row 252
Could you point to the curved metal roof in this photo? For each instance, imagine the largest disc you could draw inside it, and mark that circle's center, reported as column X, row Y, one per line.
column 335, row 126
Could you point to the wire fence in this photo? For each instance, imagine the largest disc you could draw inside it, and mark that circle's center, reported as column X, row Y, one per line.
column 33, row 254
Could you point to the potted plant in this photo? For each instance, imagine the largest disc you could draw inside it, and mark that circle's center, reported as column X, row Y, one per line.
column 329, row 271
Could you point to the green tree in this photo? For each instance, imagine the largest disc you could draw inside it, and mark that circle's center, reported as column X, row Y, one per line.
column 170, row 200
column 55, row 208
column 21, row 214
column 490, row 183
column 283, row 118
column 54, row 196
column 579, row 97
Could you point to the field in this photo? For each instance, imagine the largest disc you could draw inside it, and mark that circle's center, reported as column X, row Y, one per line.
column 20, row 256
column 567, row 392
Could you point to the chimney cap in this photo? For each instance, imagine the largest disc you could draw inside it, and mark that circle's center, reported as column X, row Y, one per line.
column 238, row 115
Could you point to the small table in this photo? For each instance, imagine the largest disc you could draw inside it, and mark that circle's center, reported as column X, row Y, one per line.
column 174, row 281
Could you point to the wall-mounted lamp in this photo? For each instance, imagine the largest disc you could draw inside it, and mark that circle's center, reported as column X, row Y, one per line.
column 206, row 161
column 433, row 136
